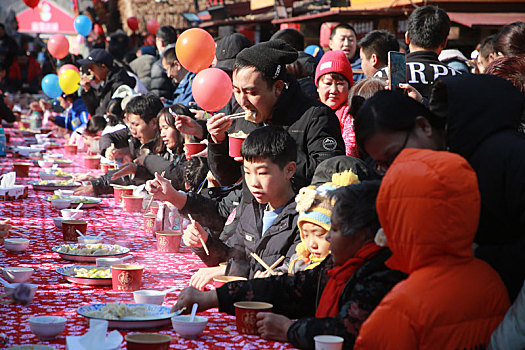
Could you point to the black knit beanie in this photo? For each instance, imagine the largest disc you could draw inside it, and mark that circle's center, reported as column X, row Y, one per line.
column 270, row 58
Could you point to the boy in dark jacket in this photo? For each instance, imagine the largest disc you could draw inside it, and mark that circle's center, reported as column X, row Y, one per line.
column 268, row 225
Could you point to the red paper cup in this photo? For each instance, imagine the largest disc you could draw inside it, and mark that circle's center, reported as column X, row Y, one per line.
column 246, row 315
column 193, row 148
column 92, row 162
column 22, row 169
column 220, row 281
column 71, row 149
column 131, row 203
column 168, row 241
column 106, row 167
column 25, row 125
column 149, row 224
column 118, row 191
column 154, row 208
column 70, row 227
column 235, row 144
column 126, row 277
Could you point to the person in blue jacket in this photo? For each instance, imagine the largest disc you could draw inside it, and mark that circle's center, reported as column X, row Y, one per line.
column 75, row 115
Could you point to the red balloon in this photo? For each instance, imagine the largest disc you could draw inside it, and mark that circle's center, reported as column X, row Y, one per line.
column 32, row 3
column 97, row 28
column 133, row 23
column 152, row 25
column 58, row 46
column 66, row 67
column 195, row 49
column 212, row 89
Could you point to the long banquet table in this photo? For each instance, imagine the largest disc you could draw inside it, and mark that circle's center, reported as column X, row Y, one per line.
column 58, row 297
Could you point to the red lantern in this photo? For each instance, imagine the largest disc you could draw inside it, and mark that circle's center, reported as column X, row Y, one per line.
column 152, row 25
column 58, row 46
column 195, row 49
column 133, row 23
column 32, row 3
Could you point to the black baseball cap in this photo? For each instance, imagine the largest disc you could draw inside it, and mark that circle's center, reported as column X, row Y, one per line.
column 228, row 48
column 98, row 56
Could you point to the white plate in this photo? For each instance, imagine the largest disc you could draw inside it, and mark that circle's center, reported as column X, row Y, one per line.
column 69, row 273
column 53, row 185
column 158, row 315
column 88, row 258
column 93, row 201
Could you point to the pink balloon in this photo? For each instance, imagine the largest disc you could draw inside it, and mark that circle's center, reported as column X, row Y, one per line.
column 152, row 25
column 212, row 89
column 66, row 67
column 58, row 46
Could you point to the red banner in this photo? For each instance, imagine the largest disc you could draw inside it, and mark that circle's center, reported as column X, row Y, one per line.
column 47, row 17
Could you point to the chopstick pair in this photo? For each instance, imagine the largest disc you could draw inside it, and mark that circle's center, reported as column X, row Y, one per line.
column 268, row 268
column 151, row 200
column 200, row 238
column 13, row 229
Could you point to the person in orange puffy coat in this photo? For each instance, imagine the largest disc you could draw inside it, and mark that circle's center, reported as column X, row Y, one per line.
column 429, row 206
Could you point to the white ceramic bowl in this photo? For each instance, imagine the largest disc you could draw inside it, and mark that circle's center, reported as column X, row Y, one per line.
column 61, row 203
column 17, row 273
column 16, row 245
column 58, row 221
column 45, row 163
column 72, row 214
column 187, row 329
column 32, row 287
column 89, row 240
column 147, row 296
column 47, row 176
column 47, row 327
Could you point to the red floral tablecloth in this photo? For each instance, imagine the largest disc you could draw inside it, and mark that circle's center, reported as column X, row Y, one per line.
column 56, row 296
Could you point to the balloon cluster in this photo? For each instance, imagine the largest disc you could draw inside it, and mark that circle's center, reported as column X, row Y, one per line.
column 66, row 81
column 212, row 87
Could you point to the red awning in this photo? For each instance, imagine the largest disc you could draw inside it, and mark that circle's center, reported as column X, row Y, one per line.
column 47, row 17
column 485, row 19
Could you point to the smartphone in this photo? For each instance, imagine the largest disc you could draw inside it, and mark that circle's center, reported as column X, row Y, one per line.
column 397, row 69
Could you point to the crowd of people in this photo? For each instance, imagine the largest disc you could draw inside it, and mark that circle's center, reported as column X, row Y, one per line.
column 398, row 215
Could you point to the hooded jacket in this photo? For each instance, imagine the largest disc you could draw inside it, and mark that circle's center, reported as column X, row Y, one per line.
column 428, row 206
column 483, row 113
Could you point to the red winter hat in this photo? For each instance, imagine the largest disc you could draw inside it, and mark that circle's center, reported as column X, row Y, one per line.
column 334, row 62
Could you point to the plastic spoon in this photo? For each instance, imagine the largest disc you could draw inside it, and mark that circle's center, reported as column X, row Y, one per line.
column 169, row 290
column 193, row 311
column 81, row 234
column 125, row 258
column 179, row 311
column 79, row 206
column 5, row 283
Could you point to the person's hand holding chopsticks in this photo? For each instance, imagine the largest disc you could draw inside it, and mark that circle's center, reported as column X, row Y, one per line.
column 188, row 126
column 193, row 234
column 161, row 189
column 124, row 170
column 217, row 126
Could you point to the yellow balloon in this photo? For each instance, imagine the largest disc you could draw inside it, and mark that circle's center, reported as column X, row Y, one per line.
column 69, row 81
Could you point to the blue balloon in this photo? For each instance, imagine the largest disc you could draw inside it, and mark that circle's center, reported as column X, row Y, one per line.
column 83, row 25
column 50, row 86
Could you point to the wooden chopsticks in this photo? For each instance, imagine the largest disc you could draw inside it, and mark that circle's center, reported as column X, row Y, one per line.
column 200, row 238
column 13, row 229
column 151, row 200
column 268, row 268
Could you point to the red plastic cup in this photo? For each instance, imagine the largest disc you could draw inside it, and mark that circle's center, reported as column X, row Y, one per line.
column 118, row 191
column 149, row 224
column 106, row 167
column 92, row 162
column 71, row 149
column 193, row 148
column 235, row 144
column 131, row 203
column 246, row 315
column 168, row 241
column 70, row 227
column 126, row 277
column 154, row 208
column 22, row 169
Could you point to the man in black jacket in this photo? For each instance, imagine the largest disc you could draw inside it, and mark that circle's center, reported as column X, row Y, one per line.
column 426, row 37
column 100, row 79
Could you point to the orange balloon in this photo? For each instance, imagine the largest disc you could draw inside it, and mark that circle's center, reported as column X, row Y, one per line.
column 195, row 49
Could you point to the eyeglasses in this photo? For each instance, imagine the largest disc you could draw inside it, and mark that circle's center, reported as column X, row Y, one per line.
column 383, row 165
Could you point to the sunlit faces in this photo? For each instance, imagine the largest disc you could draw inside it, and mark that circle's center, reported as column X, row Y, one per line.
column 98, row 71
column 253, row 93
column 344, row 40
column 268, row 182
column 333, row 90
column 343, row 247
column 168, row 133
column 315, row 239
column 141, row 130
column 368, row 64
column 174, row 70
